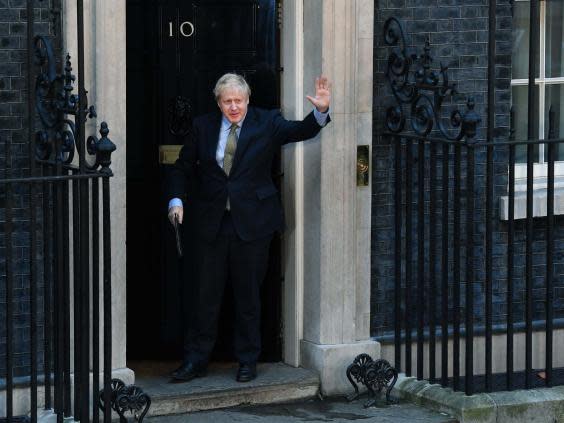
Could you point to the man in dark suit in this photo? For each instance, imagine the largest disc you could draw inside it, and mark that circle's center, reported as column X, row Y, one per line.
column 237, row 210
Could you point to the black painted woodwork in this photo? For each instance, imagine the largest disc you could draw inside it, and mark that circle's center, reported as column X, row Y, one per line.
column 229, row 36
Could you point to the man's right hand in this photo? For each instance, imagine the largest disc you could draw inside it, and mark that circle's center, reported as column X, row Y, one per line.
column 175, row 211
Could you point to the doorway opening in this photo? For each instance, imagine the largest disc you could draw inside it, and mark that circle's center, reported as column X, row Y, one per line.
column 176, row 50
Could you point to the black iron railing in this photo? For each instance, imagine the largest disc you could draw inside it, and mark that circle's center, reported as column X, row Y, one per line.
column 436, row 191
column 449, row 188
column 59, row 193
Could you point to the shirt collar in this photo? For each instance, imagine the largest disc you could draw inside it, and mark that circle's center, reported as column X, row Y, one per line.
column 226, row 125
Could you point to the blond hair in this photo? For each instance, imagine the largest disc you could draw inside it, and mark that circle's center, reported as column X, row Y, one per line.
column 231, row 80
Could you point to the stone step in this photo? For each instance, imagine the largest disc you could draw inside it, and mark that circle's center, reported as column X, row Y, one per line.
column 334, row 410
column 276, row 382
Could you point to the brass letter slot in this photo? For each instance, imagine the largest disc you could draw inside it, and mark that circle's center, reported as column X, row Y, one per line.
column 168, row 154
column 362, row 165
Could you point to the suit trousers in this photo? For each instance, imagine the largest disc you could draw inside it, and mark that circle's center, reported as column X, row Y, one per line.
column 245, row 264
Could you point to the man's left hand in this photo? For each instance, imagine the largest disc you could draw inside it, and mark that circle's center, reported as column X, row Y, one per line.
column 322, row 94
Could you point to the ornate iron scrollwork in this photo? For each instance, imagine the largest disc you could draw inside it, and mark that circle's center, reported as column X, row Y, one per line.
column 414, row 83
column 55, row 102
column 375, row 375
column 127, row 399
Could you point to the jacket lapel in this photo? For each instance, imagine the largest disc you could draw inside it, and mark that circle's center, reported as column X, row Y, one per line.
column 213, row 135
column 249, row 125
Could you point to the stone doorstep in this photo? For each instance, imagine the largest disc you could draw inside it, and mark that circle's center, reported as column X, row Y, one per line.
column 530, row 406
column 276, row 382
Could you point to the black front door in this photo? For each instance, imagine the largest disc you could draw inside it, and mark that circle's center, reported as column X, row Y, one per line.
column 176, row 50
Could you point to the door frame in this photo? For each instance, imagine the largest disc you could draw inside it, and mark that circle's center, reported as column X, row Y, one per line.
column 292, row 101
column 109, row 93
column 107, row 39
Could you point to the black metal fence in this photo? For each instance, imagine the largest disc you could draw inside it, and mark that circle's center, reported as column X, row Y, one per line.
column 453, row 193
column 63, row 215
column 438, row 216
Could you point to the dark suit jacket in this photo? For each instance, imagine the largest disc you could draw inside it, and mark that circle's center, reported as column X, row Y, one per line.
column 255, row 208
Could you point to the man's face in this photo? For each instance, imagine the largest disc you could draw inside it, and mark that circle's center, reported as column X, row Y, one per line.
column 233, row 104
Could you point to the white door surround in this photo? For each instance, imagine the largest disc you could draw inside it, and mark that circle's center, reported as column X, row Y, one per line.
column 327, row 242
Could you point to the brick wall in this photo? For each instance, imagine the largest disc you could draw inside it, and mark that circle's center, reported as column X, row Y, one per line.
column 13, row 133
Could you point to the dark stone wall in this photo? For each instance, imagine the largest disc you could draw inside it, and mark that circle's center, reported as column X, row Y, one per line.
column 458, row 34
column 14, row 135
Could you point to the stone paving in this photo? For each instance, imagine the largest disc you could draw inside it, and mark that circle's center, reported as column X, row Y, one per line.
column 329, row 410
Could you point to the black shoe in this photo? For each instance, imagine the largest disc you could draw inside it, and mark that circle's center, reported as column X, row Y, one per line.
column 188, row 371
column 246, row 372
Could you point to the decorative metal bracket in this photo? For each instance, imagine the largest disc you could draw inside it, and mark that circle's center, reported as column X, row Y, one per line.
column 55, row 102
column 127, row 398
column 101, row 148
column 414, row 83
column 375, row 375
